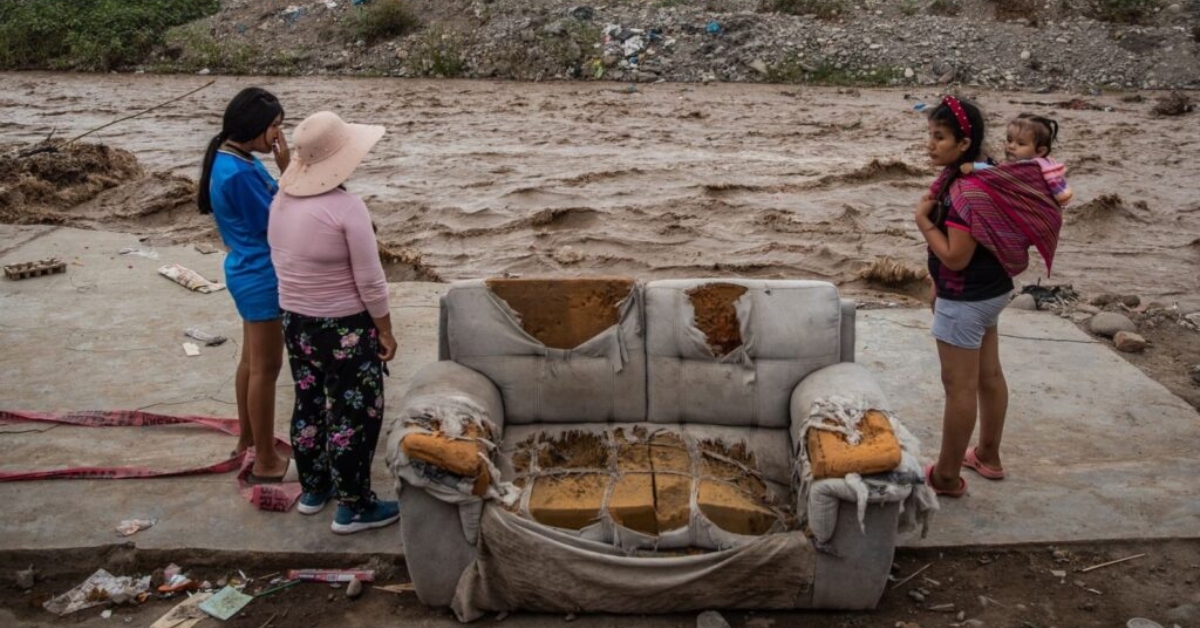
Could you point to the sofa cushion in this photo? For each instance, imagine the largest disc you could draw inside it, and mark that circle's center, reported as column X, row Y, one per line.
column 601, row 379
column 647, row 485
column 731, row 351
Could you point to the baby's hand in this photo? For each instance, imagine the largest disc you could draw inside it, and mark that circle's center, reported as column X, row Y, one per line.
column 967, row 168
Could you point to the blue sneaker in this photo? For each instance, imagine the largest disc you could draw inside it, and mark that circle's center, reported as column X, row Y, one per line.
column 313, row 503
column 379, row 514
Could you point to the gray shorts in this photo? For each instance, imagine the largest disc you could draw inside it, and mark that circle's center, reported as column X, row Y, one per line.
column 963, row 323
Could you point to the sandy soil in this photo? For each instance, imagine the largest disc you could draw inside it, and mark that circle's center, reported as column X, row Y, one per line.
column 993, row 588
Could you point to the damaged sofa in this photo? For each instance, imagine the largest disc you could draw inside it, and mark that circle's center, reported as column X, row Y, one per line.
column 604, row 445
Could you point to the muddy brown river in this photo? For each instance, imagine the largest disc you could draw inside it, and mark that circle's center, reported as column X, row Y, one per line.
column 479, row 178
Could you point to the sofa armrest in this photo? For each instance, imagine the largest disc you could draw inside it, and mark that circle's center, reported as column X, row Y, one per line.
column 845, row 379
column 446, row 386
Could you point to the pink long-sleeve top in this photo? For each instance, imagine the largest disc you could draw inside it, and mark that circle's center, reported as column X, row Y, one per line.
column 324, row 252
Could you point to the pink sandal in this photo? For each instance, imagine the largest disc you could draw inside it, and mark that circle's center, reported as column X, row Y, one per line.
column 971, row 461
column 956, row 493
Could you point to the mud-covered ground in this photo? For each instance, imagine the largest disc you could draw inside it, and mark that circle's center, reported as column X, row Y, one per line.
column 1040, row 586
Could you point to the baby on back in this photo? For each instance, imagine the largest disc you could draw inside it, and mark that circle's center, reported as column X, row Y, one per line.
column 1030, row 138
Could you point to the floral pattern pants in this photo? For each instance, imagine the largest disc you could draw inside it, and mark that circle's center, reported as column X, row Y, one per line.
column 339, row 403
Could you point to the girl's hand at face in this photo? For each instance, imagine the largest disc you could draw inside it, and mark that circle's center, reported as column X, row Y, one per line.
column 279, row 148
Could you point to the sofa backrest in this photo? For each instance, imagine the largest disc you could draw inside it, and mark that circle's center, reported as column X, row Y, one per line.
column 546, row 380
column 731, row 351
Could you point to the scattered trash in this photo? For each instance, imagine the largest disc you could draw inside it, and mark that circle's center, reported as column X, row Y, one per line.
column 330, row 4
column 583, row 14
column 713, row 28
column 135, row 250
column 942, row 608
column 25, row 270
column 171, row 571
column 911, row 576
column 331, row 575
column 178, row 583
column 100, row 588
column 204, row 248
column 208, row 339
column 1058, row 573
column 185, row 615
column 225, row 603
column 191, row 349
column 406, row 587
column 26, row 578
column 354, row 589
column 1051, row 295
column 285, row 585
column 106, row 614
column 189, row 279
column 1111, row 562
column 920, row 107
column 358, row 3
column 129, row 527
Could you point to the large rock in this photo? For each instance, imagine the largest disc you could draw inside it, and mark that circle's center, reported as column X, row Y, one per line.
column 1023, row 302
column 1107, row 324
column 1129, row 342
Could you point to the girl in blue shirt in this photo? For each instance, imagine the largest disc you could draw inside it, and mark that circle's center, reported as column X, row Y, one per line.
column 237, row 190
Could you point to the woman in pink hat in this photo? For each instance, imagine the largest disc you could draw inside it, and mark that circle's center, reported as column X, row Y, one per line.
column 336, row 321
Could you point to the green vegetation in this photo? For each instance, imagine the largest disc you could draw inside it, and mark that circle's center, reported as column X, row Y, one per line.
column 380, row 20
column 823, row 9
column 438, row 53
column 89, row 34
column 193, row 47
column 1126, row 11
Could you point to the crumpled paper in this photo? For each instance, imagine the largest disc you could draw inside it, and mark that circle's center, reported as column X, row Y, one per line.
column 100, row 588
column 189, row 279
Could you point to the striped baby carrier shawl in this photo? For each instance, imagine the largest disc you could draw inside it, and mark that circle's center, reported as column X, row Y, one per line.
column 1009, row 208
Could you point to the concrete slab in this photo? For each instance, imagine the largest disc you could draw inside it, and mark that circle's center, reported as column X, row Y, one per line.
column 107, row 335
column 1095, row 450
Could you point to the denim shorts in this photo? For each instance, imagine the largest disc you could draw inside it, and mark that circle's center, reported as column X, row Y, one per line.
column 963, row 323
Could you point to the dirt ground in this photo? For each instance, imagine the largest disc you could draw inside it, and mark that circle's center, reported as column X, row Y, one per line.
column 1015, row 587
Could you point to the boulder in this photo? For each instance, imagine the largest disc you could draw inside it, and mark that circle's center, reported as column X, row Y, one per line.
column 1129, row 342
column 1107, row 324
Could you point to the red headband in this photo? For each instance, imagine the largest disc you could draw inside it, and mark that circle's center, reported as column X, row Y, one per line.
column 964, row 123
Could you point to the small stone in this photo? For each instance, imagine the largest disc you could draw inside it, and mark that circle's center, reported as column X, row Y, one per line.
column 1090, row 309
column 1087, row 605
column 909, row 73
column 711, row 619
column 1058, row 573
column 25, row 579
column 1174, row 8
column 960, row 616
column 1186, row 614
column 760, row 66
column 972, row 623
column 1107, row 324
column 1196, row 373
column 1023, row 302
column 354, row 589
column 1130, row 300
column 1025, row 55
column 570, row 617
column 916, row 595
column 1129, row 342
column 204, row 72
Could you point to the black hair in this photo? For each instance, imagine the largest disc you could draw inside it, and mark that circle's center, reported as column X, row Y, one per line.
column 248, row 116
column 1045, row 130
column 943, row 115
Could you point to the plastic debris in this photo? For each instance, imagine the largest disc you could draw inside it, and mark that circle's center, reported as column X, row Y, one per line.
column 100, row 588
column 185, row 615
column 331, row 575
column 225, row 603
column 208, row 339
column 189, row 279
column 191, row 349
column 713, row 28
column 129, row 527
column 140, row 252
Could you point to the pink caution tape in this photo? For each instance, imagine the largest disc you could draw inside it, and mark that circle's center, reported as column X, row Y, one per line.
column 279, row 497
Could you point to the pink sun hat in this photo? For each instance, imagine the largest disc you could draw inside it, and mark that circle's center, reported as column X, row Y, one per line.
column 328, row 149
